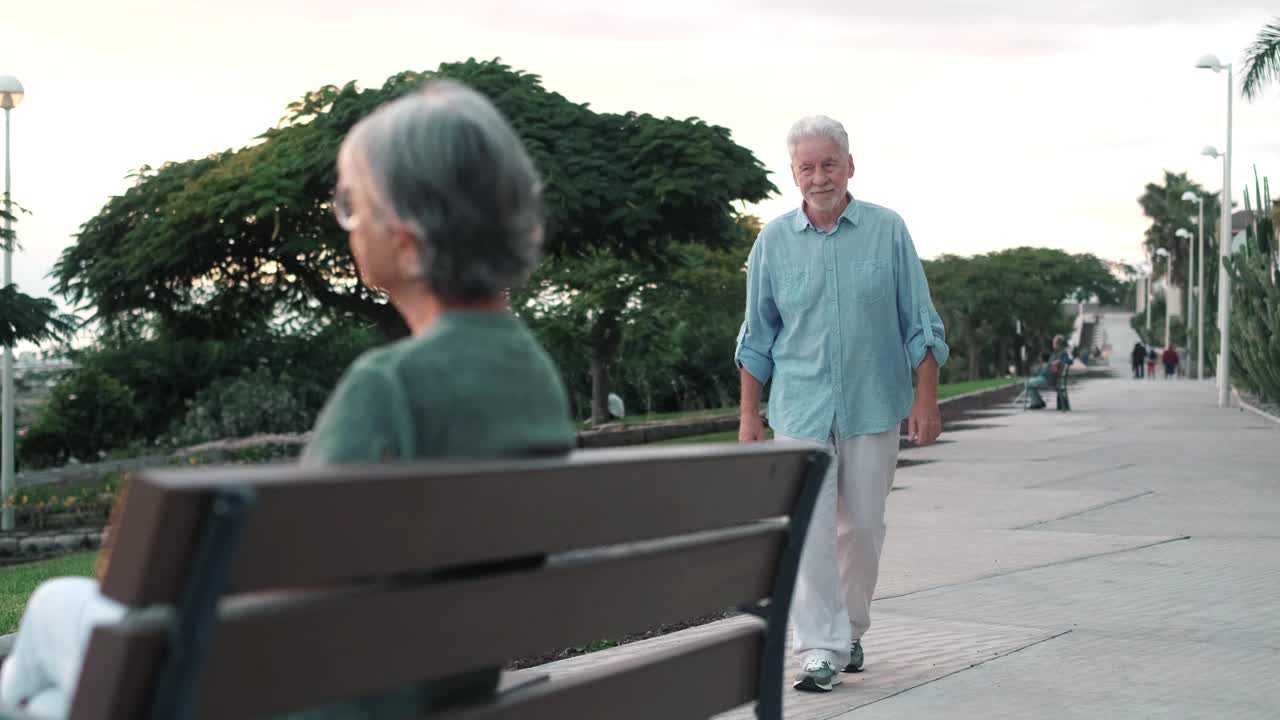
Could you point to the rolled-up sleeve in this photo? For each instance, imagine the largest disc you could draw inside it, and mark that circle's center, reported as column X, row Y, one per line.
column 919, row 322
column 760, row 326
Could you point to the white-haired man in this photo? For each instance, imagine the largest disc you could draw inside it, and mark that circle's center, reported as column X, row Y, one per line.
column 838, row 315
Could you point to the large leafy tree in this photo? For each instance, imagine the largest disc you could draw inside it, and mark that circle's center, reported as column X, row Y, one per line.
column 205, row 244
column 970, row 306
column 983, row 299
column 676, row 327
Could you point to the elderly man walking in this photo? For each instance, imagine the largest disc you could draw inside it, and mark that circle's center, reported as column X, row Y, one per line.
column 838, row 315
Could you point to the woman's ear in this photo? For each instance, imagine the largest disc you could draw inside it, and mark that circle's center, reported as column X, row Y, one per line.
column 408, row 254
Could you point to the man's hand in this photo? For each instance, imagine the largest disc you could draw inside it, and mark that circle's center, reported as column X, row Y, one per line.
column 925, row 424
column 751, row 428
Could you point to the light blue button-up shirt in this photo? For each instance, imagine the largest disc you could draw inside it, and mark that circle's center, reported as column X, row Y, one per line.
column 838, row 320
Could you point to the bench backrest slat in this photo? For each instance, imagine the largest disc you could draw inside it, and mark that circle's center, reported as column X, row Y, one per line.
column 688, row 683
column 314, row 526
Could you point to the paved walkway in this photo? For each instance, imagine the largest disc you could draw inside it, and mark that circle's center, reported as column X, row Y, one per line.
column 1119, row 561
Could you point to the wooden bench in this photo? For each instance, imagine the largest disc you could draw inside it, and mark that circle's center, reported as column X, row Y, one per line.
column 276, row 589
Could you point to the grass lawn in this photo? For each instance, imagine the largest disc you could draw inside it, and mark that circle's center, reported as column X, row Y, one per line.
column 730, row 436
column 944, row 392
column 656, row 417
column 19, row 581
column 963, row 388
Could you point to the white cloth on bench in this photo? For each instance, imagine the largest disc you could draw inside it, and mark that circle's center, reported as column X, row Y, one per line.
column 44, row 667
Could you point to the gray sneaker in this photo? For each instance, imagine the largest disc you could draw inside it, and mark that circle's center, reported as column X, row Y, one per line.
column 855, row 657
column 817, row 676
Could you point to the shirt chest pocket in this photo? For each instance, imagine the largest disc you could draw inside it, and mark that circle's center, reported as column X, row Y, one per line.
column 870, row 281
column 798, row 288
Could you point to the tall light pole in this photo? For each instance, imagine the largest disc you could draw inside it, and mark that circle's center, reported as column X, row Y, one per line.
column 1146, row 283
column 1189, row 285
column 10, row 96
column 1168, row 274
column 1187, row 235
column 1209, row 62
column 1200, row 285
column 1211, row 151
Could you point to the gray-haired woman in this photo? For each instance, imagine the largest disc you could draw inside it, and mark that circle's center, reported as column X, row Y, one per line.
column 444, row 213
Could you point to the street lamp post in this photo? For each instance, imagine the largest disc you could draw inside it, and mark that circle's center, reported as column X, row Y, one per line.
column 1147, row 287
column 1168, row 274
column 1212, row 152
column 1189, row 285
column 1209, row 62
column 1191, row 274
column 1200, row 285
column 10, row 96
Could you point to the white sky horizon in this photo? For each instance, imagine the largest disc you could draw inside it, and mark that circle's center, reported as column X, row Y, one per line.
column 987, row 124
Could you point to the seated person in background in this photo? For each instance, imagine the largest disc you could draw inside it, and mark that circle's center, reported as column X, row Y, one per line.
column 1051, row 366
column 444, row 212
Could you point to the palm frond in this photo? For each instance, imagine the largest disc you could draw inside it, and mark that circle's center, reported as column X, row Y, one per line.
column 1262, row 61
column 29, row 319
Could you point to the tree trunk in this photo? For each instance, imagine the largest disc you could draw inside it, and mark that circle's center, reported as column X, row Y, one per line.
column 599, row 388
column 975, row 359
column 604, row 345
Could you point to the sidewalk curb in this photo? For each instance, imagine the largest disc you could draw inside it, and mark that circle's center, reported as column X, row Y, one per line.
column 1256, row 411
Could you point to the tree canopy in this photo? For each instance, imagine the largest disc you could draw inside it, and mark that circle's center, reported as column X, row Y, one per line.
column 983, row 299
column 202, row 244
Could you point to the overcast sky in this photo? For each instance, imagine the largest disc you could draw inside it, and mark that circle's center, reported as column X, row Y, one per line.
column 987, row 125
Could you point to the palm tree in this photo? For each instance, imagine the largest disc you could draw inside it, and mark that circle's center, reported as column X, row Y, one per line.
column 24, row 318
column 27, row 319
column 1262, row 60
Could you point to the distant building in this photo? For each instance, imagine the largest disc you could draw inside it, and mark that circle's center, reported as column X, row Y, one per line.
column 32, row 362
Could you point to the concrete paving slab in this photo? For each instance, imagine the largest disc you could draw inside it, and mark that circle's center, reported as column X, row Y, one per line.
column 900, row 656
column 1182, row 591
column 1088, row 676
column 918, row 559
column 964, row 505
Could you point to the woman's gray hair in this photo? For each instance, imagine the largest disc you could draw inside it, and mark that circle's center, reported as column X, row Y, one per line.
column 447, row 165
column 818, row 126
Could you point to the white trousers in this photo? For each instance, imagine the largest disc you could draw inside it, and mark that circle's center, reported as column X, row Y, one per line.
column 43, row 668
column 841, row 558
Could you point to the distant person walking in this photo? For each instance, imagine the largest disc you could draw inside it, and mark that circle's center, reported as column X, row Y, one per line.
column 1151, row 363
column 1170, row 358
column 1138, row 358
